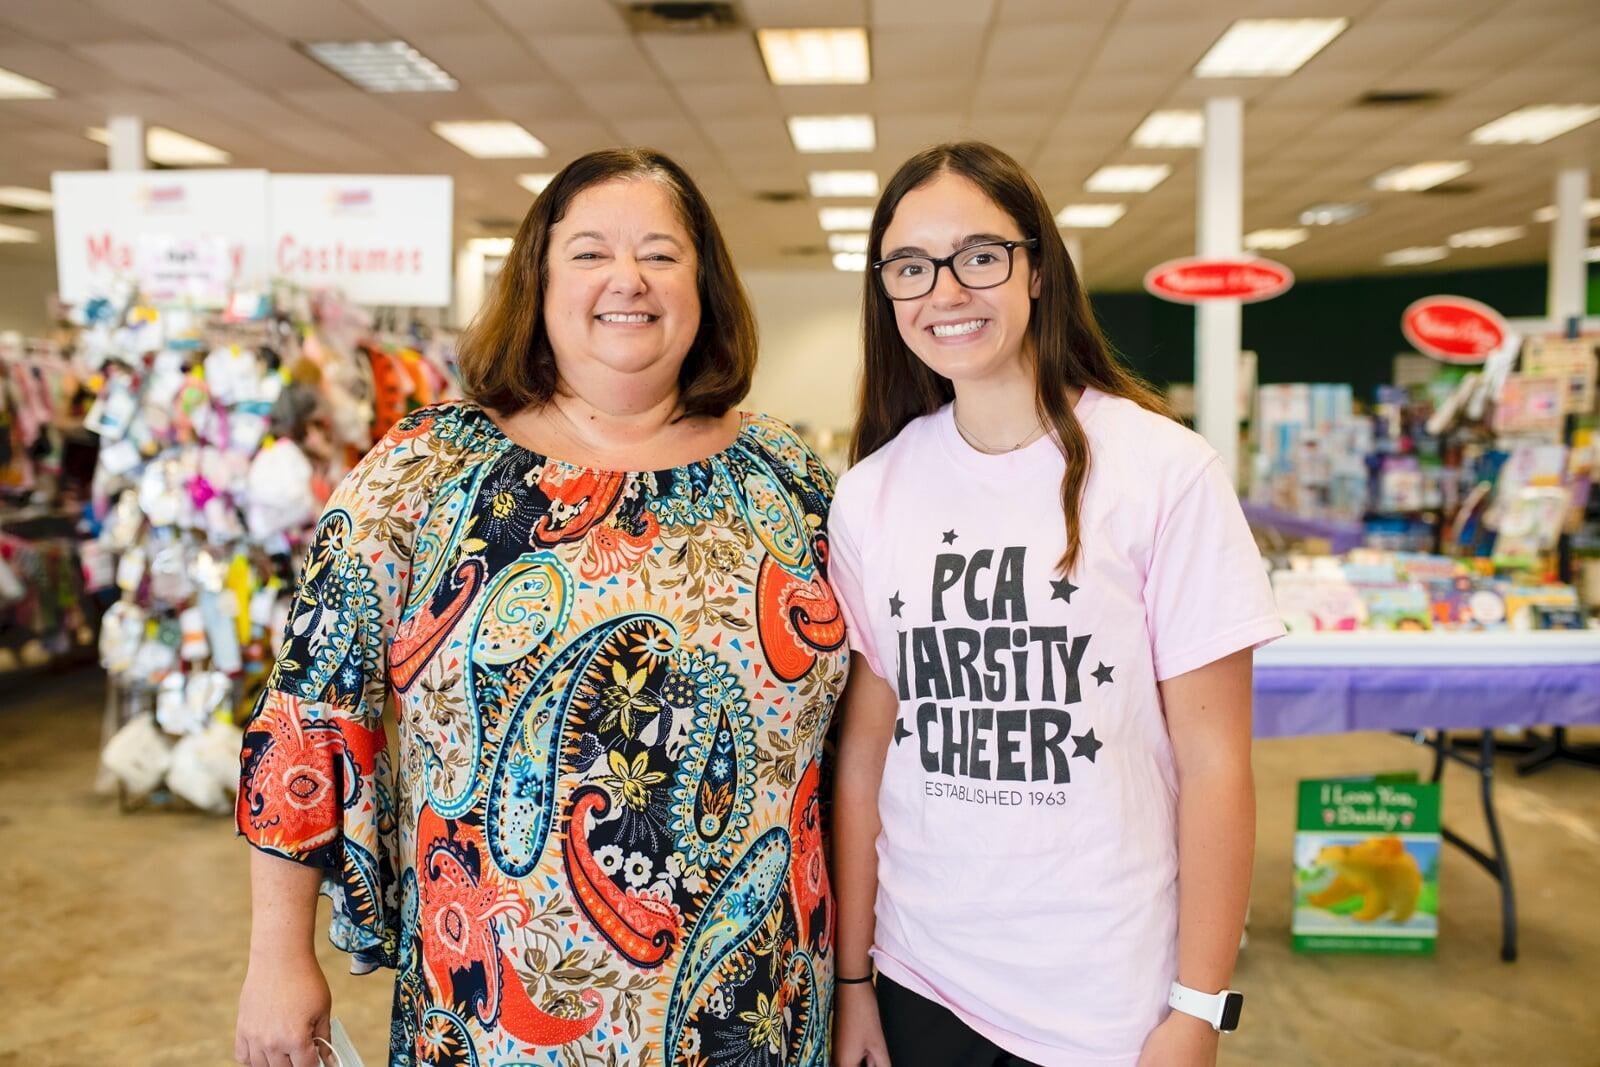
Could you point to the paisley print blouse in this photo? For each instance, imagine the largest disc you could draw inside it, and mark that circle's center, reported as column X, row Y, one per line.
column 600, row 843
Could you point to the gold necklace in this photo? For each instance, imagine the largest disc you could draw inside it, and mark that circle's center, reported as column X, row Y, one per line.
column 973, row 440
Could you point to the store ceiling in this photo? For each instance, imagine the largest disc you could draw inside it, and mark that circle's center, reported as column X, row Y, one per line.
column 1062, row 84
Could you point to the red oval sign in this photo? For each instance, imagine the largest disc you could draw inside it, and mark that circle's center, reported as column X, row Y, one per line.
column 1454, row 329
column 1192, row 281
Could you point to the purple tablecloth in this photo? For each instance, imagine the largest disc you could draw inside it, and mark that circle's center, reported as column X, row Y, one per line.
column 1294, row 701
column 1341, row 536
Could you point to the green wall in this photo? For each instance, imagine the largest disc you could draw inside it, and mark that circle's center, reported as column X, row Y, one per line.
column 1346, row 330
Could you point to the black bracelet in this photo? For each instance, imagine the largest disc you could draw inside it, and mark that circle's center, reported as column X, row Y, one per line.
column 852, row 981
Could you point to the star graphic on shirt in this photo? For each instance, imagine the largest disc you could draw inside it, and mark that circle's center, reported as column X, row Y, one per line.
column 949, row 537
column 895, row 604
column 1102, row 675
column 900, row 731
column 1086, row 745
column 1063, row 590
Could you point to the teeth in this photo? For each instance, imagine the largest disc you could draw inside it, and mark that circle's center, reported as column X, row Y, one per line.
column 959, row 328
column 624, row 318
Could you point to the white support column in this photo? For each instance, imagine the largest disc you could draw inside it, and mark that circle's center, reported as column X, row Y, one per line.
column 1219, row 226
column 126, row 150
column 1075, row 253
column 1569, row 235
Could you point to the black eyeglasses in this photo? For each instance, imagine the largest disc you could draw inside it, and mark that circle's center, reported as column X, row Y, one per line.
column 975, row 267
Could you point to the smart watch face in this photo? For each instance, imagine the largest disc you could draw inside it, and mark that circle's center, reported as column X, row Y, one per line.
column 1232, row 1006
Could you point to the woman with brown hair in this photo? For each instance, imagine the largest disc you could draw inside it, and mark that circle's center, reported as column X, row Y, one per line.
column 1044, row 815
column 596, row 596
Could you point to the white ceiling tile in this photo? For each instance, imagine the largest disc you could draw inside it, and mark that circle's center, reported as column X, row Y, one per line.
column 271, row 64
column 1033, row 51
column 1044, row 12
column 65, row 21
column 580, row 57
column 1000, row 94
column 671, row 135
column 180, row 20
column 479, row 58
column 730, row 101
column 159, row 66
column 612, row 100
column 529, row 103
column 813, row 13
column 310, row 20
column 972, row 14
column 922, row 53
column 751, row 135
column 420, row 19
column 910, row 133
column 900, row 95
column 717, row 58
column 564, row 17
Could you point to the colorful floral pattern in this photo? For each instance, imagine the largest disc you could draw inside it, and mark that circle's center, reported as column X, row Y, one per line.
column 601, row 843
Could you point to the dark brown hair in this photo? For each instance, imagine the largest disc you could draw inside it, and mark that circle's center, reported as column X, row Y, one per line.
column 1068, row 347
column 505, row 355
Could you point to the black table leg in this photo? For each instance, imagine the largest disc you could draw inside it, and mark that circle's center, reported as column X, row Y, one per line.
column 1555, row 749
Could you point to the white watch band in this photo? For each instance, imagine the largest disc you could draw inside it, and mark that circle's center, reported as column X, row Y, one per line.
column 1221, row 1010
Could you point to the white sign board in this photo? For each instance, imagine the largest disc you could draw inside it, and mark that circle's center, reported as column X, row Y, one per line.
column 190, row 236
column 378, row 239
column 184, row 235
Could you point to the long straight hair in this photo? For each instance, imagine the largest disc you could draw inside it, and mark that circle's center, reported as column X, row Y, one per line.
column 1068, row 348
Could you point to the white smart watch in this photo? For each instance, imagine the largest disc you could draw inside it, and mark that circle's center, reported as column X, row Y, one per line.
column 1221, row 1010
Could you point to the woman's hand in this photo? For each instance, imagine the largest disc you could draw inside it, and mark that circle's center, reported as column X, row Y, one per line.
column 857, row 1030
column 284, row 1006
column 1180, row 1041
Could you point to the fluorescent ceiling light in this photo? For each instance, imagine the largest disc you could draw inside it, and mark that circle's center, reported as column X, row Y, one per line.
column 17, row 235
column 382, row 66
column 535, row 183
column 1487, row 236
column 1410, row 257
column 1267, row 48
column 1331, row 214
column 492, row 139
column 1171, row 129
column 1593, row 254
column 843, row 183
column 847, row 242
column 815, row 57
column 170, row 148
column 14, row 86
column 1420, row 176
column 1274, row 240
column 490, row 246
column 1536, row 124
column 833, row 133
column 26, row 199
column 1089, row 216
column 1137, row 178
column 850, row 261
column 845, row 218
column 1591, row 210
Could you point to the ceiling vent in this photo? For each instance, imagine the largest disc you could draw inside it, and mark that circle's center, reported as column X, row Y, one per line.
column 668, row 16
column 804, row 250
column 1398, row 98
column 1449, row 189
column 779, row 196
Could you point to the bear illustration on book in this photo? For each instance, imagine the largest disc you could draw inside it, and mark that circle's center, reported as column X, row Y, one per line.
column 1379, row 870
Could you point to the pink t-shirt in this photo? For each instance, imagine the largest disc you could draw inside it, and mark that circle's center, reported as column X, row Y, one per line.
column 1028, row 861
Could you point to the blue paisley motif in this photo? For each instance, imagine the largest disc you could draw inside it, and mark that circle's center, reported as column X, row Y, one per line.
column 713, row 791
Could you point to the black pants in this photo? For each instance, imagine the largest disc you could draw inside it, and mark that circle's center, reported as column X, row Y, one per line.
column 921, row 1033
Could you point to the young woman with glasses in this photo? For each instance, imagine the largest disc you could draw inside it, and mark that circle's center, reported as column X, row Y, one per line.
column 1044, row 812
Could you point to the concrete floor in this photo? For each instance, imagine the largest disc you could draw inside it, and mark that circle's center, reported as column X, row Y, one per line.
column 124, row 935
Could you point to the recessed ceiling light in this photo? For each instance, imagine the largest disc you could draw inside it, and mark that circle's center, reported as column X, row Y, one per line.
column 27, row 199
column 382, row 66
column 1267, row 48
column 1419, row 176
column 1171, row 129
column 815, row 57
column 850, row 261
column 14, row 86
column 535, row 183
column 847, row 242
column 1135, row 178
column 843, row 183
column 1331, row 214
column 1591, row 210
column 170, row 148
column 17, row 235
column 1486, row 236
column 833, row 133
column 845, row 218
column 1536, row 124
column 1410, row 257
column 492, row 139
column 1274, row 240
column 1089, row 216
column 491, row 246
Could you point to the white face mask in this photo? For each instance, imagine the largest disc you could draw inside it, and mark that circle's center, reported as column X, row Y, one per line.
column 338, row 1043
